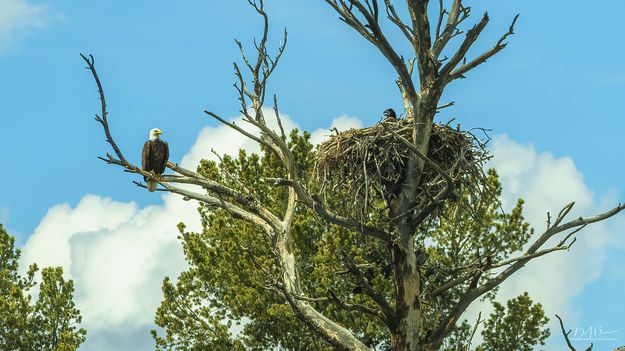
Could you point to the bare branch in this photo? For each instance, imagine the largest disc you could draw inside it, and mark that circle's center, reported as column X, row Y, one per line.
column 242, row 88
column 510, row 32
column 441, row 14
column 462, row 70
column 278, row 181
column 103, row 118
column 249, row 203
column 457, row 14
column 449, row 104
column 477, row 323
column 452, row 283
column 418, row 10
column 396, row 20
column 242, row 131
column 530, row 256
column 563, row 213
column 278, row 119
column 565, row 334
column 470, row 38
column 243, row 55
column 271, row 64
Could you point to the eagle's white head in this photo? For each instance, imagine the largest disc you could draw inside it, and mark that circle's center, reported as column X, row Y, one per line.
column 155, row 134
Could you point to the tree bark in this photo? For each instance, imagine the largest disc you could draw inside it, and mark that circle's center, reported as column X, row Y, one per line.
column 405, row 337
column 403, row 249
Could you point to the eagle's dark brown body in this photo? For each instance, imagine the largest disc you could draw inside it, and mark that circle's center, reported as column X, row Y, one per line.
column 154, row 159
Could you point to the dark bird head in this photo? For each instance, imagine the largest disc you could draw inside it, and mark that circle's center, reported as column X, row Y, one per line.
column 390, row 113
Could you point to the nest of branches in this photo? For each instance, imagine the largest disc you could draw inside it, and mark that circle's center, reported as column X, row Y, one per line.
column 370, row 163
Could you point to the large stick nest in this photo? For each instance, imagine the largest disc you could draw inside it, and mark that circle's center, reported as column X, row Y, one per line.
column 370, row 163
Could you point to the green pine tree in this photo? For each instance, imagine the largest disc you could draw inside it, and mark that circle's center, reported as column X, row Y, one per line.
column 49, row 323
column 517, row 326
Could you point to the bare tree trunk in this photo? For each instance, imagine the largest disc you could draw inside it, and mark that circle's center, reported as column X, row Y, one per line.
column 403, row 251
column 408, row 308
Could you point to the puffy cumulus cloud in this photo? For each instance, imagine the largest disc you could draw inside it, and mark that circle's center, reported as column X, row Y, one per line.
column 118, row 253
column 18, row 16
column 50, row 245
column 547, row 183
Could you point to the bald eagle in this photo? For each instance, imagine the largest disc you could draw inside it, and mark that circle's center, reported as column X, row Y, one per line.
column 154, row 157
column 390, row 114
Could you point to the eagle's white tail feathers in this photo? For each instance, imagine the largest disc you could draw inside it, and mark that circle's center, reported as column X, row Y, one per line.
column 152, row 184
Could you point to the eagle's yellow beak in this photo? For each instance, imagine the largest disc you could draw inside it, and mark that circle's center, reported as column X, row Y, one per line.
column 158, row 132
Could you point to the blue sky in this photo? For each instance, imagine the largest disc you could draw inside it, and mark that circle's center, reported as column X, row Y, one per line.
column 559, row 86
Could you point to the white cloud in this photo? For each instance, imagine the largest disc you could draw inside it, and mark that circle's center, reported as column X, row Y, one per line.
column 342, row 123
column 118, row 253
column 17, row 17
column 547, row 183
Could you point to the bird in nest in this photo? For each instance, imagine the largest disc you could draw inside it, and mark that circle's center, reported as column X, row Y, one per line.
column 390, row 114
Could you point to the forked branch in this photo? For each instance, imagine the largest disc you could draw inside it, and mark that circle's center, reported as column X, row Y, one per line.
column 566, row 336
column 466, row 44
column 103, row 117
column 501, row 44
column 455, row 16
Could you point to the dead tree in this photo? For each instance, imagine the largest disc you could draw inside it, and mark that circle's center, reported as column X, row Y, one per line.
column 421, row 95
